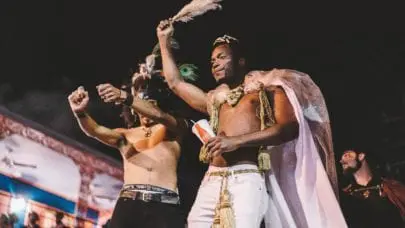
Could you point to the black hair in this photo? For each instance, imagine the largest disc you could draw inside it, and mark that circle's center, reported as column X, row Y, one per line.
column 156, row 89
column 59, row 216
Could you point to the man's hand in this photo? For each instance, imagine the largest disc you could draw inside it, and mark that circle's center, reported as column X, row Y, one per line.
column 109, row 93
column 165, row 30
column 221, row 144
column 78, row 100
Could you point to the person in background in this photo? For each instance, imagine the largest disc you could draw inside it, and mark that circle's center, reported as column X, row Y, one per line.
column 370, row 200
column 33, row 219
column 58, row 220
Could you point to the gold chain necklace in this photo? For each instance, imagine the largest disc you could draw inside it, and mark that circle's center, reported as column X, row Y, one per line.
column 148, row 131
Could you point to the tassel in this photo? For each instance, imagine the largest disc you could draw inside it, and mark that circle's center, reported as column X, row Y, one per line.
column 203, row 156
column 265, row 110
column 217, row 218
column 224, row 217
column 264, row 161
column 226, row 212
column 214, row 117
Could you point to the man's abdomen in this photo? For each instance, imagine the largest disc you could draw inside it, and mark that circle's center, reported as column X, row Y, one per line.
column 235, row 121
column 154, row 167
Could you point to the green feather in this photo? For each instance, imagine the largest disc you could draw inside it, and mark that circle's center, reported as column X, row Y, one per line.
column 189, row 71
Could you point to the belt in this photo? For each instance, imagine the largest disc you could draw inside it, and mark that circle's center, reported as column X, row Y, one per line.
column 150, row 188
column 150, row 196
column 233, row 172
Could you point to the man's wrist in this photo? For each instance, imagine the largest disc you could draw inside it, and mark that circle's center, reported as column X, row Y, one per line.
column 239, row 141
column 235, row 141
column 128, row 100
column 80, row 114
column 165, row 44
column 123, row 95
column 163, row 39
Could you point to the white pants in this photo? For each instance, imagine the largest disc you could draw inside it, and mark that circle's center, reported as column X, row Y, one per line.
column 248, row 197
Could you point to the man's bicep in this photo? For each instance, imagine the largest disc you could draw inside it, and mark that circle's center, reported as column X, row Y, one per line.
column 107, row 136
column 192, row 95
column 283, row 110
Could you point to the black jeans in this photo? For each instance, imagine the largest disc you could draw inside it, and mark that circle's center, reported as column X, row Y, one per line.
column 130, row 213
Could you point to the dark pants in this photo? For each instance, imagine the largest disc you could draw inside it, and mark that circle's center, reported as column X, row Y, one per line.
column 130, row 213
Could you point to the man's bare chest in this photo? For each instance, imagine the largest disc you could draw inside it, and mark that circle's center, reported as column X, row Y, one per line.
column 146, row 138
column 247, row 105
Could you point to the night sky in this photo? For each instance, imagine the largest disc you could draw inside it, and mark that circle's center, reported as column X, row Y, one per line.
column 355, row 54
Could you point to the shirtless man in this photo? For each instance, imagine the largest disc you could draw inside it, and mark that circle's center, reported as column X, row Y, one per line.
column 233, row 153
column 282, row 112
column 150, row 154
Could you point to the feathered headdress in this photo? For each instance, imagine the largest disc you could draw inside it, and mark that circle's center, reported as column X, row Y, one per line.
column 148, row 68
column 225, row 39
column 196, row 8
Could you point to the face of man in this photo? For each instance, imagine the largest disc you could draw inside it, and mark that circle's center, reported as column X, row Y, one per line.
column 222, row 63
column 350, row 162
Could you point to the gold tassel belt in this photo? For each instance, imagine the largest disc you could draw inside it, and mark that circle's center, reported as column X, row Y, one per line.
column 224, row 215
column 228, row 173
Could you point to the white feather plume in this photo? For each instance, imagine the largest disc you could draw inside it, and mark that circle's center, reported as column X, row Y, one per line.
column 196, row 8
column 150, row 63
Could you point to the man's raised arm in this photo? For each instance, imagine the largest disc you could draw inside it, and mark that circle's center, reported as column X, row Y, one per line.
column 111, row 94
column 191, row 94
column 78, row 102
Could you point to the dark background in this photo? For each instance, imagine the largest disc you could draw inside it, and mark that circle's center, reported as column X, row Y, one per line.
column 354, row 53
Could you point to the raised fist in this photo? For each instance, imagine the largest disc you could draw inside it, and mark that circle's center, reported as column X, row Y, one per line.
column 165, row 29
column 109, row 93
column 78, row 100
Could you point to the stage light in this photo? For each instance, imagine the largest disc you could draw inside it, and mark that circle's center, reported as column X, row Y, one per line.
column 17, row 204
